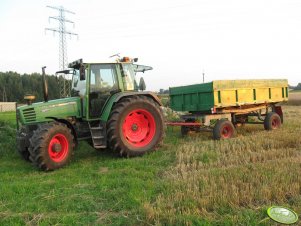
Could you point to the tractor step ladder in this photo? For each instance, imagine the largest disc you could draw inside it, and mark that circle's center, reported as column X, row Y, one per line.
column 98, row 134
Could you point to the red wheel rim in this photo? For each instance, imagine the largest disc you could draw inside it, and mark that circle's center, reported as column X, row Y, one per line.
column 139, row 128
column 275, row 123
column 226, row 131
column 58, row 148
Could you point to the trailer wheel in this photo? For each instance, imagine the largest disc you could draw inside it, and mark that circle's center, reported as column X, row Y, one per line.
column 223, row 129
column 135, row 126
column 272, row 121
column 51, row 146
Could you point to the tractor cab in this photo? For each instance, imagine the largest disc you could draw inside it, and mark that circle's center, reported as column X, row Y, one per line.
column 95, row 83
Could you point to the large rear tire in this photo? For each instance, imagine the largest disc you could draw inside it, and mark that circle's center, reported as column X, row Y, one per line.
column 135, row 126
column 272, row 121
column 51, row 146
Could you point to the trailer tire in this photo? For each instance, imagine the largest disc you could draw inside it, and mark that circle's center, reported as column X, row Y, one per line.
column 136, row 126
column 51, row 146
column 272, row 121
column 223, row 129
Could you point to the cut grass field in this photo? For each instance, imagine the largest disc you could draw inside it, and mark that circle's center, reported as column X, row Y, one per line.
column 188, row 181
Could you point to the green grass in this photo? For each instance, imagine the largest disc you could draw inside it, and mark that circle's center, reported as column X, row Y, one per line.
column 8, row 117
column 188, row 181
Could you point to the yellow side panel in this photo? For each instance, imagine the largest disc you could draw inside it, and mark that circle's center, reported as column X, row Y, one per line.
column 240, row 92
column 245, row 96
column 228, row 97
column 216, row 102
column 276, row 93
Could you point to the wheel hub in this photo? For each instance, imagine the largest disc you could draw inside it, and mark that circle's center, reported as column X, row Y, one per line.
column 139, row 128
column 56, row 148
column 275, row 123
column 134, row 127
column 227, row 132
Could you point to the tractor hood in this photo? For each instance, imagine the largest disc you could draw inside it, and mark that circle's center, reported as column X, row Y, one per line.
column 46, row 111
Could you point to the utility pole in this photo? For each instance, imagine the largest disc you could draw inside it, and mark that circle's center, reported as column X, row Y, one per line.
column 203, row 76
column 65, row 83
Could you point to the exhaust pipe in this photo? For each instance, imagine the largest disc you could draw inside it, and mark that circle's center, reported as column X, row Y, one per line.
column 45, row 84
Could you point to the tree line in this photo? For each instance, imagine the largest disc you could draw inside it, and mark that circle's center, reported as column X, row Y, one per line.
column 14, row 86
column 298, row 87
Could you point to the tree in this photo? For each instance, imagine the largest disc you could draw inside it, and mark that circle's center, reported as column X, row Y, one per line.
column 298, row 87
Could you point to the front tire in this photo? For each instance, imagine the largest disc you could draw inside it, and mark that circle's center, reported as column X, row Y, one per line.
column 135, row 126
column 51, row 146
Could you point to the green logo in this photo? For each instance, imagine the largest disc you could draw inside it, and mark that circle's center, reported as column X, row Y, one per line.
column 282, row 215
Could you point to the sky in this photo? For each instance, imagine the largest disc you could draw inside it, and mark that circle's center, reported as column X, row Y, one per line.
column 180, row 39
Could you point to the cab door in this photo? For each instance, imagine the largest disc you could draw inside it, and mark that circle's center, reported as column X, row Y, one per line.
column 103, row 83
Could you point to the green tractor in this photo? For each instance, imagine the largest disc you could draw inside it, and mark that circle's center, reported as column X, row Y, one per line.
column 107, row 107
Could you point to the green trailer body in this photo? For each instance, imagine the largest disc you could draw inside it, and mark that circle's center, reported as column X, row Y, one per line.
column 227, row 93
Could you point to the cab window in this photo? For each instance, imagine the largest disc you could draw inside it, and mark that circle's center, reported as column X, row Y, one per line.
column 103, row 84
column 78, row 86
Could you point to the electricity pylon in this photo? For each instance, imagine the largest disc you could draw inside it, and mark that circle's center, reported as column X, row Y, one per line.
column 65, row 83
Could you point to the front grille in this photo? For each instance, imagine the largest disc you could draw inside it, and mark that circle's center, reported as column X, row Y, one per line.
column 29, row 115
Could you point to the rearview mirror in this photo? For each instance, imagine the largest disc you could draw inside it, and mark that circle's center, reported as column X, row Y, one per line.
column 142, row 85
column 82, row 73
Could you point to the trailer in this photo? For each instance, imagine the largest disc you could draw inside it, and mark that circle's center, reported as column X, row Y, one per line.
column 221, row 106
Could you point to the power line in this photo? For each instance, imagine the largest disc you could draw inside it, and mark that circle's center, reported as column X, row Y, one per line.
column 175, row 33
column 142, row 11
column 65, row 86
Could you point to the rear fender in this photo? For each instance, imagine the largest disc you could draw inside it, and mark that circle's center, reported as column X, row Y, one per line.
column 105, row 114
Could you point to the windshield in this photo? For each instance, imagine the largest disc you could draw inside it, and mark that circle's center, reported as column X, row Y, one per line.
column 78, row 86
column 128, row 79
column 129, row 75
